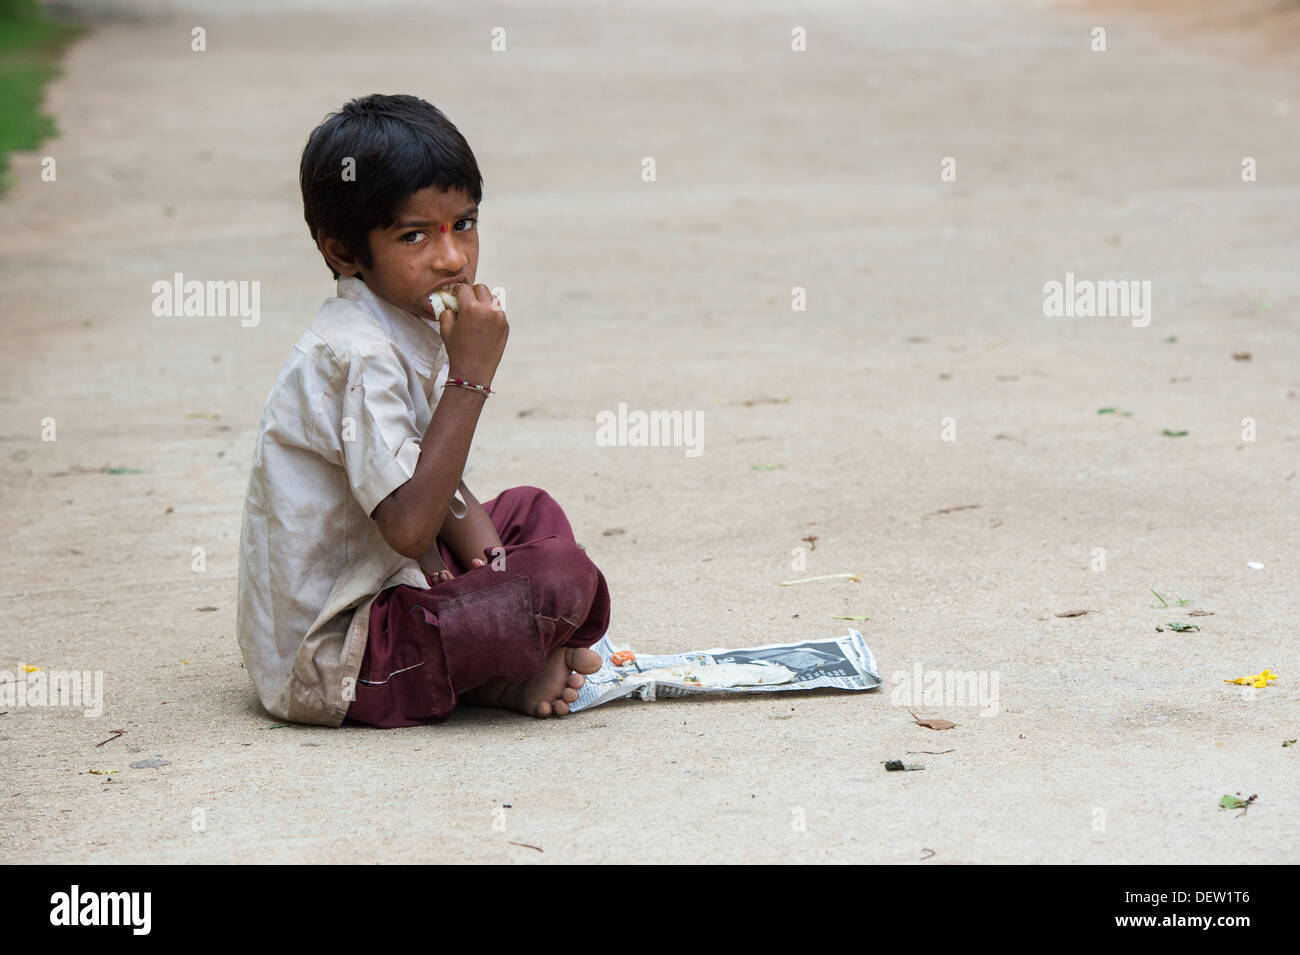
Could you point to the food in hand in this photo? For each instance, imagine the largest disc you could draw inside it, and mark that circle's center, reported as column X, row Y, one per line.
column 441, row 300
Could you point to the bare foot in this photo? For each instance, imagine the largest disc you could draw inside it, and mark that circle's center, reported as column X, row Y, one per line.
column 548, row 693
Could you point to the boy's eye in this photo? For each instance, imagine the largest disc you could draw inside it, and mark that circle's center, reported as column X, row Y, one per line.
column 410, row 238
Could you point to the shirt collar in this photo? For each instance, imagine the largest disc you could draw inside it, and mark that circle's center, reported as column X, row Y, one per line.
column 415, row 335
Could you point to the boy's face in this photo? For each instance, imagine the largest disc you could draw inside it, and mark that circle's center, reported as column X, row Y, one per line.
column 433, row 241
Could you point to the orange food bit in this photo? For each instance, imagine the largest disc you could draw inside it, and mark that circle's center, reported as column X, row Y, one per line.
column 622, row 658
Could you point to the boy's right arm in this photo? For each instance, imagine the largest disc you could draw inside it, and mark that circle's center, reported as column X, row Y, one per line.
column 475, row 338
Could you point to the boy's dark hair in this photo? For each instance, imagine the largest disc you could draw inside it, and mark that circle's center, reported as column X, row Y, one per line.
column 398, row 145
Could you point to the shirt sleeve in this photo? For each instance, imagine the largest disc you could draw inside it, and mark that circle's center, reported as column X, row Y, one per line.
column 381, row 443
column 457, row 505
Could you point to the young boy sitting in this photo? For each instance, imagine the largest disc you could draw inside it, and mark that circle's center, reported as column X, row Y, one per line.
column 373, row 585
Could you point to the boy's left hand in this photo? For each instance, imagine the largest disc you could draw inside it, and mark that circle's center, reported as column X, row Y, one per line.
column 444, row 574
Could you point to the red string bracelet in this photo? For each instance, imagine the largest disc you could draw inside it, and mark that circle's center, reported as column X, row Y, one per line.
column 482, row 389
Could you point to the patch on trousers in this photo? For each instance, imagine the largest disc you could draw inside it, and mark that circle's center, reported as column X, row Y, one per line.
column 491, row 633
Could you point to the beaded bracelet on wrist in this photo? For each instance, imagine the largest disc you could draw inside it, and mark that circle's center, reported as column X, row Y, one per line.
column 461, row 382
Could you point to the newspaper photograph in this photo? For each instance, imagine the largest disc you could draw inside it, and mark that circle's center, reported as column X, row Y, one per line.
column 838, row 663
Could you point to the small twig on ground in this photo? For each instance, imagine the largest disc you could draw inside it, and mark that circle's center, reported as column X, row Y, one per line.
column 856, row 578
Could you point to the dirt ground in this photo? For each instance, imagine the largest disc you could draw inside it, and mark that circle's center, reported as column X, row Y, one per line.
column 1114, row 737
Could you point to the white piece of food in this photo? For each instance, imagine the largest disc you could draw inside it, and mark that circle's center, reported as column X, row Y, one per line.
column 442, row 300
column 715, row 674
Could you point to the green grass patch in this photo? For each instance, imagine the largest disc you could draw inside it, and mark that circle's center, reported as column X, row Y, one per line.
column 29, row 47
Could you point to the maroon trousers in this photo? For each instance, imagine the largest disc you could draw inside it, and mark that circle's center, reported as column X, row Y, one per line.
column 427, row 647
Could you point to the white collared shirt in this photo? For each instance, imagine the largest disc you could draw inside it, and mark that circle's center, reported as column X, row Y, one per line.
column 340, row 431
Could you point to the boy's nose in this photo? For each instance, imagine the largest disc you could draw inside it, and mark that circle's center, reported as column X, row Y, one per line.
column 448, row 259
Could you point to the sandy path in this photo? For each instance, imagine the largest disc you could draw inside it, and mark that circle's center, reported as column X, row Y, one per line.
column 1113, row 742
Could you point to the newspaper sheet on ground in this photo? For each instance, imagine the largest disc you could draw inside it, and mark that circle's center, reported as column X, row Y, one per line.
column 841, row 663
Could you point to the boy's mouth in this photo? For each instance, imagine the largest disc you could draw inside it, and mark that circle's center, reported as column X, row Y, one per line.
column 442, row 288
column 440, row 301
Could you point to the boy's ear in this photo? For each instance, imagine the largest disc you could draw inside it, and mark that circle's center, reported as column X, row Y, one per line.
column 338, row 257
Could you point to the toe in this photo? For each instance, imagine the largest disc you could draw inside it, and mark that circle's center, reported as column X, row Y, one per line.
column 561, row 708
column 583, row 661
column 576, row 680
column 543, row 709
column 570, row 695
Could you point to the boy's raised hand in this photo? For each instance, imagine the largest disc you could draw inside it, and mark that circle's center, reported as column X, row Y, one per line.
column 474, row 334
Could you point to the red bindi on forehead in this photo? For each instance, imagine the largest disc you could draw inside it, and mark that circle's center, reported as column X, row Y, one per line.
column 443, row 227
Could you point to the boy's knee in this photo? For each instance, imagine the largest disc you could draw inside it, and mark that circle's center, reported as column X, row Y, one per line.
column 562, row 558
column 563, row 571
column 536, row 496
